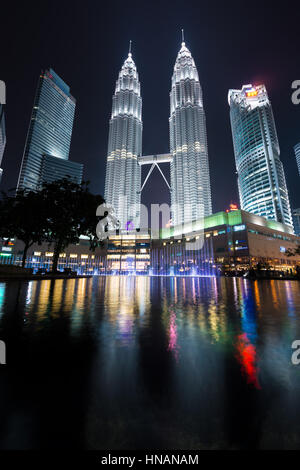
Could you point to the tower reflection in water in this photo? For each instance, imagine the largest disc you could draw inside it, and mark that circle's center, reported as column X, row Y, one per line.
column 226, row 311
column 163, row 353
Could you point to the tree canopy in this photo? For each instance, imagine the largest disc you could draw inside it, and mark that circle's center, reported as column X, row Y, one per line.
column 69, row 212
column 22, row 217
column 59, row 213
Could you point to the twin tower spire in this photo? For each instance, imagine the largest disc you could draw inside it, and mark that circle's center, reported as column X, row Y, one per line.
column 190, row 180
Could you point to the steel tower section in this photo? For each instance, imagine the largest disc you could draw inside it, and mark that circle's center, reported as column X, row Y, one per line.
column 190, row 179
column 123, row 172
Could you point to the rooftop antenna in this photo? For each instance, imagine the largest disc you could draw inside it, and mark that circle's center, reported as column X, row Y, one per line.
column 130, row 46
column 182, row 35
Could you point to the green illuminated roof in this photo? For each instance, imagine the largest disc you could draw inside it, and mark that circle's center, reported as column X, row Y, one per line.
column 223, row 218
column 214, row 220
column 237, row 217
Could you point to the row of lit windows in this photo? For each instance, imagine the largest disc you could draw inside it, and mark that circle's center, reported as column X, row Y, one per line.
column 50, row 254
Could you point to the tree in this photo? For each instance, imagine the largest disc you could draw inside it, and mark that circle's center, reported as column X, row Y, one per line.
column 22, row 217
column 70, row 211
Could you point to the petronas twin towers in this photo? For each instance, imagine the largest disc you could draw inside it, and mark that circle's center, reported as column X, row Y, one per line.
column 190, row 181
column 123, row 172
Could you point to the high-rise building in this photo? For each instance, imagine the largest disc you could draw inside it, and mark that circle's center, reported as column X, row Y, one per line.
column 49, row 133
column 123, row 172
column 2, row 136
column 296, row 220
column 54, row 168
column 190, row 180
column 261, row 179
column 297, row 155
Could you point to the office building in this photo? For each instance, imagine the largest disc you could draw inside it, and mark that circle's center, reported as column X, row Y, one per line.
column 261, row 179
column 49, row 133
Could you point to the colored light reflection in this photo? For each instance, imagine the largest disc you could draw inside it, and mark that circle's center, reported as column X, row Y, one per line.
column 246, row 355
column 172, row 346
column 2, row 296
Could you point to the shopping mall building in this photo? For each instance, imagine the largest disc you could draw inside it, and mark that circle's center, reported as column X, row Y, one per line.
column 234, row 240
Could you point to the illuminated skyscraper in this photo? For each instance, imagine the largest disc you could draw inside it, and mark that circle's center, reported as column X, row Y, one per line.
column 49, row 135
column 123, row 172
column 297, row 155
column 2, row 136
column 190, row 180
column 296, row 220
column 261, row 180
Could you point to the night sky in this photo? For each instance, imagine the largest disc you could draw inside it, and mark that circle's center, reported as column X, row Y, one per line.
column 233, row 43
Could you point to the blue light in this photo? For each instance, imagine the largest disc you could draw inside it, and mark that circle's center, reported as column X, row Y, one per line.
column 238, row 228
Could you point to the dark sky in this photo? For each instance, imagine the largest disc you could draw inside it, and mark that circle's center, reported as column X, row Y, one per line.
column 233, row 43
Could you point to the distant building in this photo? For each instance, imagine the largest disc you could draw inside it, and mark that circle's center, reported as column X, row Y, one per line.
column 296, row 220
column 2, row 136
column 261, row 179
column 297, row 154
column 49, row 134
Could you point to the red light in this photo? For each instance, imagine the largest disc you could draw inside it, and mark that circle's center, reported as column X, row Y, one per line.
column 232, row 207
column 247, row 357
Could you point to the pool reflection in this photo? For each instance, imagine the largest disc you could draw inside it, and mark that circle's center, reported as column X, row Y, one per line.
column 130, row 362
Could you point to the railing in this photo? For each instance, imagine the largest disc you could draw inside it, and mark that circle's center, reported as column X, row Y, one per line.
column 80, row 265
column 99, row 265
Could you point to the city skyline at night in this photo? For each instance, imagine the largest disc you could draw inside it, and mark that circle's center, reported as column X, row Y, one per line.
column 149, row 230
column 187, row 123
column 190, row 182
column 218, row 72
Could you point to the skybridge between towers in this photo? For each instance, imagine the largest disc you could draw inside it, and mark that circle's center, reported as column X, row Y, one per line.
column 154, row 161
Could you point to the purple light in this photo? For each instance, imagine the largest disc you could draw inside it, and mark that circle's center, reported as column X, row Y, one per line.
column 129, row 225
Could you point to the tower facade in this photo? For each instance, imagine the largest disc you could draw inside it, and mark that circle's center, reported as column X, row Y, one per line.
column 123, row 172
column 296, row 220
column 190, row 180
column 297, row 155
column 2, row 136
column 50, row 130
column 261, row 179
